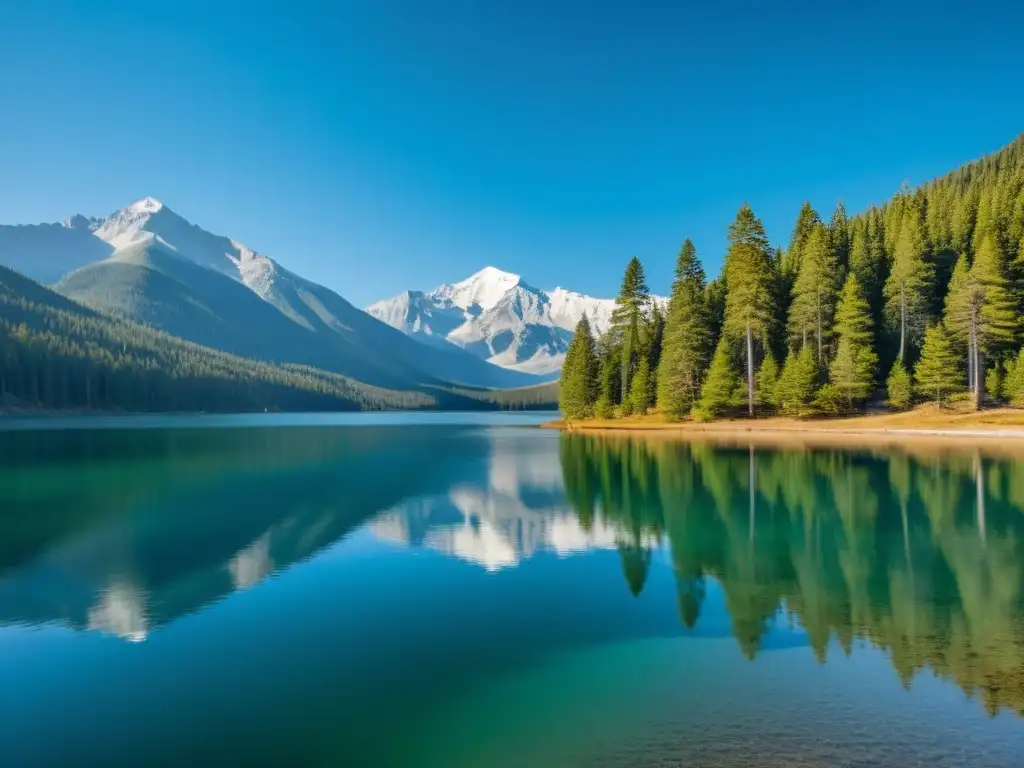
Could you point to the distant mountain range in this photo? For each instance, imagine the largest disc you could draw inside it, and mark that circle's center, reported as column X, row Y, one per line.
column 498, row 317
column 149, row 265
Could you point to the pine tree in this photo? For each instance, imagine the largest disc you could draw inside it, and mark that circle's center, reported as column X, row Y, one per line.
column 1000, row 318
column 854, row 367
column 767, row 379
column 1013, row 384
column 994, row 382
column 867, row 262
column 1015, row 227
column 814, row 294
column 640, row 390
column 906, row 290
column 715, row 297
column 749, row 301
column 686, row 342
column 981, row 312
column 898, row 386
column 962, row 304
column 829, row 400
column 653, row 340
column 985, row 223
column 798, row 382
column 839, row 237
column 578, row 388
column 609, row 394
column 964, row 215
column 627, row 318
column 853, row 371
column 938, row 373
column 792, row 259
column 716, row 393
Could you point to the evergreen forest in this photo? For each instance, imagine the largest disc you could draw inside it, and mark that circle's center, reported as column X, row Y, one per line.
column 916, row 300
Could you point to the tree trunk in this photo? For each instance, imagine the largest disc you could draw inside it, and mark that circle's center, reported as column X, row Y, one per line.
column 903, row 325
column 979, row 380
column 975, row 371
column 750, row 371
column 970, row 363
column 627, row 355
column 817, row 312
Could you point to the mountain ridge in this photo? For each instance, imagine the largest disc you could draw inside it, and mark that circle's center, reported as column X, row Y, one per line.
column 499, row 317
column 147, row 263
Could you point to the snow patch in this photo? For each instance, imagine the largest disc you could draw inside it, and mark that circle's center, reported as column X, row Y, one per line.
column 146, row 205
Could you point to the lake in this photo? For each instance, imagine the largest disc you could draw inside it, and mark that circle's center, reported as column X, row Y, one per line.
column 463, row 590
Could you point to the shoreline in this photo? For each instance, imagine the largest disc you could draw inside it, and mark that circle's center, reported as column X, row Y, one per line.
column 919, row 426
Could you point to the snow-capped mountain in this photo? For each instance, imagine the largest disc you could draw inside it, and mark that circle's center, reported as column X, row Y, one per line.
column 148, row 263
column 499, row 317
column 45, row 252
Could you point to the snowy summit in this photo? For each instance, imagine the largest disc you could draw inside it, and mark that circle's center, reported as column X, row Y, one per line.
column 499, row 317
column 146, row 205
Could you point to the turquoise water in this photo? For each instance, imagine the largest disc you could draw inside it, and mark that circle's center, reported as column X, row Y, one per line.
column 438, row 590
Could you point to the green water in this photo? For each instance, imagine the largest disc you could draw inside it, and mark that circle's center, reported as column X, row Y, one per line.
column 452, row 591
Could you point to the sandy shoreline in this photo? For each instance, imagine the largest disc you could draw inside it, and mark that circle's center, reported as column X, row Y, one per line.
column 1002, row 427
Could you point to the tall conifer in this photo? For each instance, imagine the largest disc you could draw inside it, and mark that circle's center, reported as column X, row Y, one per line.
column 839, row 237
column 686, row 343
column 906, row 290
column 627, row 318
column 716, row 394
column 797, row 383
column 578, row 387
column 853, row 369
column 938, row 373
column 749, row 301
column 640, row 389
column 981, row 312
column 814, row 294
column 792, row 258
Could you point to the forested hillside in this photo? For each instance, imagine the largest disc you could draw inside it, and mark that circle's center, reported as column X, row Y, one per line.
column 297, row 322
column 918, row 299
column 539, row 397
column 56, row 354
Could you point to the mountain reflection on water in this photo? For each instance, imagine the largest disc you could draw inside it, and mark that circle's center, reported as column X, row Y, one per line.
column 918, row 553
column 125, row 531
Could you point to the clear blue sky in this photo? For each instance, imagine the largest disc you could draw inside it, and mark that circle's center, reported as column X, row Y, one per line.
column 375, row 146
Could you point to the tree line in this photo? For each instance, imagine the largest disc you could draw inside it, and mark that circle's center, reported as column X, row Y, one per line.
column 918, row 553
column 57, row 354
column 536, row 397
column 918, row 299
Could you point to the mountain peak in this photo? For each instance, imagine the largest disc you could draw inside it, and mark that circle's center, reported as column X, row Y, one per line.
column 482, row 289
column 146, row 205
column 493, row 275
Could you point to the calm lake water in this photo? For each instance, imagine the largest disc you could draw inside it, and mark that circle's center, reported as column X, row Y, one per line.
column 398, row 590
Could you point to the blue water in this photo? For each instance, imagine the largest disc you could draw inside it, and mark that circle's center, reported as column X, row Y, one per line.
column 473, row 592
